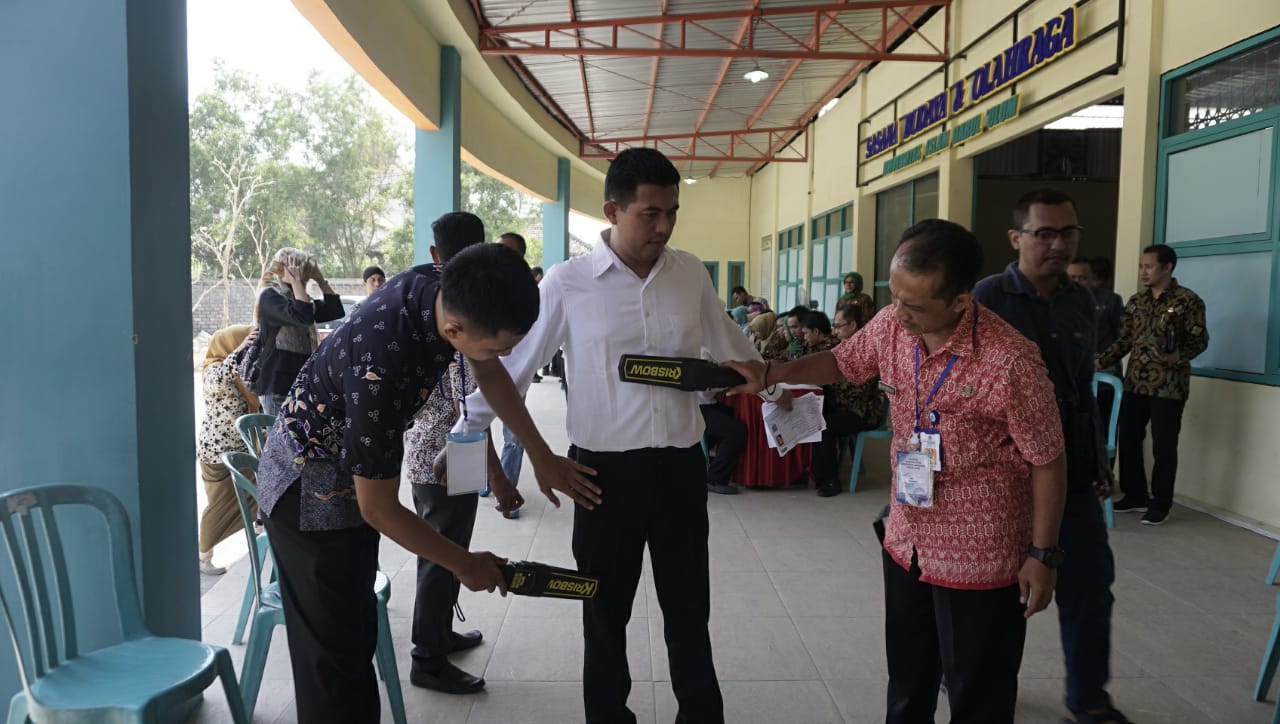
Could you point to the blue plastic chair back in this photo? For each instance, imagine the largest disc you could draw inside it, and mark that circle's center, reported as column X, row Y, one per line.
column 149, row 678
column 39, row 566
column 253, row 429
column 245, row 489
column 1117, row 388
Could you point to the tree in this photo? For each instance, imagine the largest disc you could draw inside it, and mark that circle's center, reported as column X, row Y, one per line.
column 499, row 206
column 357, row 169
column 236, row 130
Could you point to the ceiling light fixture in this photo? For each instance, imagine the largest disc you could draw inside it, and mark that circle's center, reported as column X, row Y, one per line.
column 756, row 74
column 828, row 106
column 690, row 180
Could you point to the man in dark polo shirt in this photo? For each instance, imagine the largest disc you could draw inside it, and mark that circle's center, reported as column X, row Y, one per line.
column 329, row 474
column 1036, row 296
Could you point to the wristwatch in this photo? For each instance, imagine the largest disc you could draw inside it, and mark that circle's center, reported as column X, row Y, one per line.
column 1051, row 557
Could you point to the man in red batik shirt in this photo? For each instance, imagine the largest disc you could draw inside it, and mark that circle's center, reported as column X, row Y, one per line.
column 979, row 477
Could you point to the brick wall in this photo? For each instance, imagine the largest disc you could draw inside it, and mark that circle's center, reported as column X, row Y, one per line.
column 206, row 313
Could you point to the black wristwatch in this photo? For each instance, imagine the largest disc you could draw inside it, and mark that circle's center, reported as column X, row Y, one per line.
column 1051, row 557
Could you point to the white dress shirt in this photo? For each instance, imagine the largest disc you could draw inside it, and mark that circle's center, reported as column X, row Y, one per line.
column 597, row 309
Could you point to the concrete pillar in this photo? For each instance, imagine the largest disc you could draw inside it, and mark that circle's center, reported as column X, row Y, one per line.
column 955, row 190
column 1138, row 139
column 437, row 170
column 97, row 386
column 555, row 219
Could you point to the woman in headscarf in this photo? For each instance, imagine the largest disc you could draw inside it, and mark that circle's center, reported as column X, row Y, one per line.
column 739, row 314
column 287, row 317
column 762, row 327
column 853, row 295
column 225, row 400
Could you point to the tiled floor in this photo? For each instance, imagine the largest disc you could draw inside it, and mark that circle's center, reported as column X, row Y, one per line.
column 797, row 621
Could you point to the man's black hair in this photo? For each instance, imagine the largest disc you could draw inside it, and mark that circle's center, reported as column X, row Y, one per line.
column 455, row 231
column 518, row 239
column 490, row 287
column 1101, row 267
column 798, row 312
column 736, row 290
column 816, row 320
column 537, row 271
column 1164, row 255
column 636, row 166
column 1045, row 196
column 371, row 270
column 938, row 245
column 853, row 313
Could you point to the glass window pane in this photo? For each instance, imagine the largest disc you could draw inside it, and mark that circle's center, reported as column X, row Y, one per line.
column 818, row 262
column 926, row 192
column 835, row 269
column 819, row 292
column 1233, row 87
column 1237, row 322
column 893, row 216
column 846, row 255
column 1220, row 189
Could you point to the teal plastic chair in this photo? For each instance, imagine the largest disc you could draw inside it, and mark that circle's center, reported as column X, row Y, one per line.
column 1268, row 671
column 145, row 678
column 253, row 429
column 1117, row 388
column 884, row 432
column 269, row 613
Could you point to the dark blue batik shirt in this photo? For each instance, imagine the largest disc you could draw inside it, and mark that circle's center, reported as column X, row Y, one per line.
column 349, row 406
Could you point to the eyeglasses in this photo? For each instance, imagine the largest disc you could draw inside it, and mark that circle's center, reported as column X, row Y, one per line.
column 1047, row 234
column 838, row 326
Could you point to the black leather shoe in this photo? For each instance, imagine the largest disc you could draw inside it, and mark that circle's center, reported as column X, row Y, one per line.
column 468, row 640
column 449, row 680
column 826, row 490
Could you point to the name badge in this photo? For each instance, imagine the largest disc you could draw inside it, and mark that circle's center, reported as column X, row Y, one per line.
column 931, row 445
column 913, row 483
column 466, row 455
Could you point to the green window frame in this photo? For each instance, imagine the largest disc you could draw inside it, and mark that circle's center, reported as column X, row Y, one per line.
column 713, row 270
column 920, row 196
column 790, row 245
column 737, row 277
column 1266, row 241
column 831, row 255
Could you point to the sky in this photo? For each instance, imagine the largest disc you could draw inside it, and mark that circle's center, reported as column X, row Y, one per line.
column 271, row 40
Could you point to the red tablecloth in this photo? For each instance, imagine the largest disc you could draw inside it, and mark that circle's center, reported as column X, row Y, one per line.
column 760, row 466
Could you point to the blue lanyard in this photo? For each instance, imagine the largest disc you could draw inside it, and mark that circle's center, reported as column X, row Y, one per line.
column 461, row 397
column 942, row 377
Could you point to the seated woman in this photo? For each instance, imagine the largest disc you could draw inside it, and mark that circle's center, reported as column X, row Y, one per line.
column 847, row 407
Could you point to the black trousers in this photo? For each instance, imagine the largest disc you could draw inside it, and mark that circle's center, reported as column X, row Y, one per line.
column 654, row 496
column 840, row 423
column 1165, row 416
column 728, row 435
column 454, row 517
column 326, row 586
column 975, row 638
column 1085, row 600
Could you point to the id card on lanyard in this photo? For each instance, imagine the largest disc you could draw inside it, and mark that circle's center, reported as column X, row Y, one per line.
column 913, row 484
column 466, row 453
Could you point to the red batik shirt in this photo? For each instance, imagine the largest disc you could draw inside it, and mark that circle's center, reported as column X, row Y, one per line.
column 997, row 417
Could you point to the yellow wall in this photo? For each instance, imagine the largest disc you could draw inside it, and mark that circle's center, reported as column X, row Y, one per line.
column 1226, row 451
column 714, row 225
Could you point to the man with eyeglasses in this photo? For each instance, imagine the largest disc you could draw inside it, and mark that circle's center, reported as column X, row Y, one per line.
column 1036, row 296
column 1162, row 330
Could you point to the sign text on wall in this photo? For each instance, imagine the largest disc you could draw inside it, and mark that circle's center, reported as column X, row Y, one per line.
column 1032, row 52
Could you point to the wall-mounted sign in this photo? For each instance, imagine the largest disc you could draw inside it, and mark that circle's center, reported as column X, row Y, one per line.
column 1003, row 112
column 1032, row 52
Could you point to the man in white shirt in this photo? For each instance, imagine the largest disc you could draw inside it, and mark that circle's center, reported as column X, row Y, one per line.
column 642, row 440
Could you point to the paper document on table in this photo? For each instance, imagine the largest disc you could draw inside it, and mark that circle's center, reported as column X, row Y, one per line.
column 804, row 423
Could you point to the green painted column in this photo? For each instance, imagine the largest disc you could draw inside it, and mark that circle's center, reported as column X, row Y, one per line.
column 555, row 219
column 96, row 385
column 437, row 170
